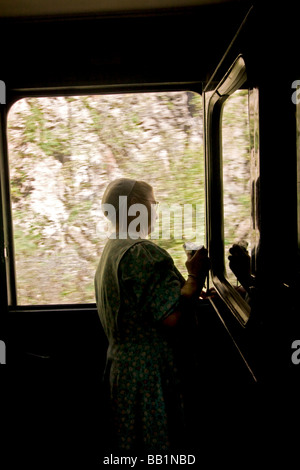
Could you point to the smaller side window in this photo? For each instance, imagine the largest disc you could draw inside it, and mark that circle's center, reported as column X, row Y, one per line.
column 240, row 161
column 232, row 168
column 236, row 175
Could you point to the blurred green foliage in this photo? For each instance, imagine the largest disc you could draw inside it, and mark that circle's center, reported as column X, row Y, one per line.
column 63, row 152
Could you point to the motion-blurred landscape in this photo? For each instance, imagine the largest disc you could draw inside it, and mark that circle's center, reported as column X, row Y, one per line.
column 63, row 151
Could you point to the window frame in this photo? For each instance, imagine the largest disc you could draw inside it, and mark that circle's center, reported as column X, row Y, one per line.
column 7, row 260
column 233, row 80
column 7, row 246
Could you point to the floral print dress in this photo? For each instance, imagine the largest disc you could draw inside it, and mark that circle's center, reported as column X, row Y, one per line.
column 137, row 286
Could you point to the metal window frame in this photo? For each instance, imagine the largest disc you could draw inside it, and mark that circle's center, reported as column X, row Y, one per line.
column 7, row 263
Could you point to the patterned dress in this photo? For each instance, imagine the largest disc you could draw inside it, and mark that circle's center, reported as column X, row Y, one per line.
column 137, row 286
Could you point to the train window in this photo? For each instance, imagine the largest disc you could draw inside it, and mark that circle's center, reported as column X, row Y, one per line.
column 63, row 151
column 232, row 158
column 240, row 159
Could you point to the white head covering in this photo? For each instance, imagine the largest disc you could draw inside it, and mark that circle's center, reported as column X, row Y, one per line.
column 116, row 208
column 115, row 201
column 117, row 188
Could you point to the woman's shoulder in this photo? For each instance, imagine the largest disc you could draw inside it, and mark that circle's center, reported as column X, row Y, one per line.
column 145, row 258
column 151, row 247
column 148, row 250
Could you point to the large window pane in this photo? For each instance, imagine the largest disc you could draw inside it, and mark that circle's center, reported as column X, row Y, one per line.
column 63, row 151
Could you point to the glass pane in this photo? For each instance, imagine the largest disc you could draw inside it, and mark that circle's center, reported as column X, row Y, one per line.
column 63, row 151
column 236, row 175
column 255, row 178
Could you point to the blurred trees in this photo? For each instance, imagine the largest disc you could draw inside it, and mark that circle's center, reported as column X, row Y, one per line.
column 63, row 151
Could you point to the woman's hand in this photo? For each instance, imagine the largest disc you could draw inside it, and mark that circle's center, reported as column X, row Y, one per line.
column 198, row 265
column 239, row 263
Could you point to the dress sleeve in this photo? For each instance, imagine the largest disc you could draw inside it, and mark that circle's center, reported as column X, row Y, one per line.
column 151, row 282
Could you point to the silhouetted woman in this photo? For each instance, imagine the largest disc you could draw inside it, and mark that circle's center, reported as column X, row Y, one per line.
column 140, row 295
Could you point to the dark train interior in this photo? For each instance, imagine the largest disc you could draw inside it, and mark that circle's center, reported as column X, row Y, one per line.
column 212, row 48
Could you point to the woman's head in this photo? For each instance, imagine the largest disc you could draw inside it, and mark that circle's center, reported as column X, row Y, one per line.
column 140, row 193
column 128, row 204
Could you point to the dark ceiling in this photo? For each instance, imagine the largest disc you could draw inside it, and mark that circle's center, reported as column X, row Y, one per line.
column 26, row 8
column 165, row 46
